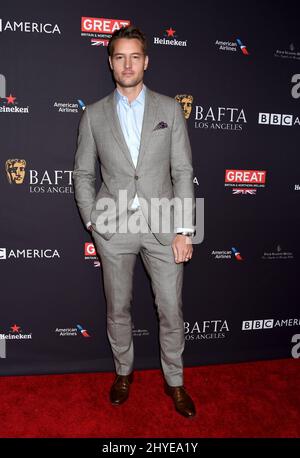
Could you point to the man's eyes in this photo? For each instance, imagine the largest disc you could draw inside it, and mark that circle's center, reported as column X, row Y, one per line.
column 121, row 57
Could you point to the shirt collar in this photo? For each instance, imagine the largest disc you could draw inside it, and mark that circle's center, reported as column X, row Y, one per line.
column 140, row 98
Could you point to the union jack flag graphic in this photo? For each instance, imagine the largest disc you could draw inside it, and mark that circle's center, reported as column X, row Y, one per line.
column 244, row 191
column 98, row 42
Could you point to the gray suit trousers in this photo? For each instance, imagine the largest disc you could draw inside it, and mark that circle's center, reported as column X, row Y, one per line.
column 118, row 257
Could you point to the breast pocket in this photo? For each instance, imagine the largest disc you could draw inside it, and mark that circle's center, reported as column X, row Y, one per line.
column 159, row 132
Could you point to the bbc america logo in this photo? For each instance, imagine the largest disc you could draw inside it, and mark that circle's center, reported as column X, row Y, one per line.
column 257, row 324
column 253, row 325
column 278, row 119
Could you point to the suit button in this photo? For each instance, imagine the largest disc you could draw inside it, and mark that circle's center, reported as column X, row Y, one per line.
column 136, row 177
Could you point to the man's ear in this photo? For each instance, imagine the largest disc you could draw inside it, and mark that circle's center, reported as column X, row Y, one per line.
column 109, row 59
column 146, row 62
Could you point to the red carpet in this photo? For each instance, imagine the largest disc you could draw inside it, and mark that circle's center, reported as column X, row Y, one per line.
column 260, row 399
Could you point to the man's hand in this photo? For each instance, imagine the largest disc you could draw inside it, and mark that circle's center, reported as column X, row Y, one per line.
column 182, row 248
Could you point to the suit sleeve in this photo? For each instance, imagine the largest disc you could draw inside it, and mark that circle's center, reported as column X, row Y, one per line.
column 182, row 172
column 84, row 173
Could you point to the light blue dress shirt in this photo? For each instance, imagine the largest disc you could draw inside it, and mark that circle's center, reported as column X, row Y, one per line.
column 131, row 121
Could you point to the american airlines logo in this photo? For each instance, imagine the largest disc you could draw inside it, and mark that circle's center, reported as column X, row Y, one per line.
column 232, row 46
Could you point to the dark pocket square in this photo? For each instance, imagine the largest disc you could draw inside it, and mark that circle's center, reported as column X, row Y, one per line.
column 161, row 125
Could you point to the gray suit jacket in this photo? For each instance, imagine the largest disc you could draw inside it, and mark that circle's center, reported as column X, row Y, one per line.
column 164, row 167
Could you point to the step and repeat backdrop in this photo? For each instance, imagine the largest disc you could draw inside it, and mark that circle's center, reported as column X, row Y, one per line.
column 236, row 74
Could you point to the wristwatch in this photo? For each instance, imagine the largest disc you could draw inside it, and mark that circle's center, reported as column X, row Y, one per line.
column 188, row 233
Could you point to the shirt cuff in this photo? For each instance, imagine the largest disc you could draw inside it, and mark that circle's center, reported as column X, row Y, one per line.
column 185, row 229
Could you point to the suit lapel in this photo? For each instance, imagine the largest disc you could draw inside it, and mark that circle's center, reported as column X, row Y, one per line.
column 148, row 123
column 147, row 126
column 114, row 123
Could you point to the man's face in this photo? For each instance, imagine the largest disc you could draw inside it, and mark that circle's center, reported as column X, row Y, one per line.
column 128, row 62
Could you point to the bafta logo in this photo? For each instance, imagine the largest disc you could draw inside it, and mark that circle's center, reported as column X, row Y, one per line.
column 15, row 170
column 186, row 102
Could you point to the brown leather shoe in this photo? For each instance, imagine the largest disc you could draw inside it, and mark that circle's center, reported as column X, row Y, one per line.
column 120, row 389
column 183, row 402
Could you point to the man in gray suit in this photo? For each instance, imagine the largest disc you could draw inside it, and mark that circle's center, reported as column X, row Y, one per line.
column 141, row 140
